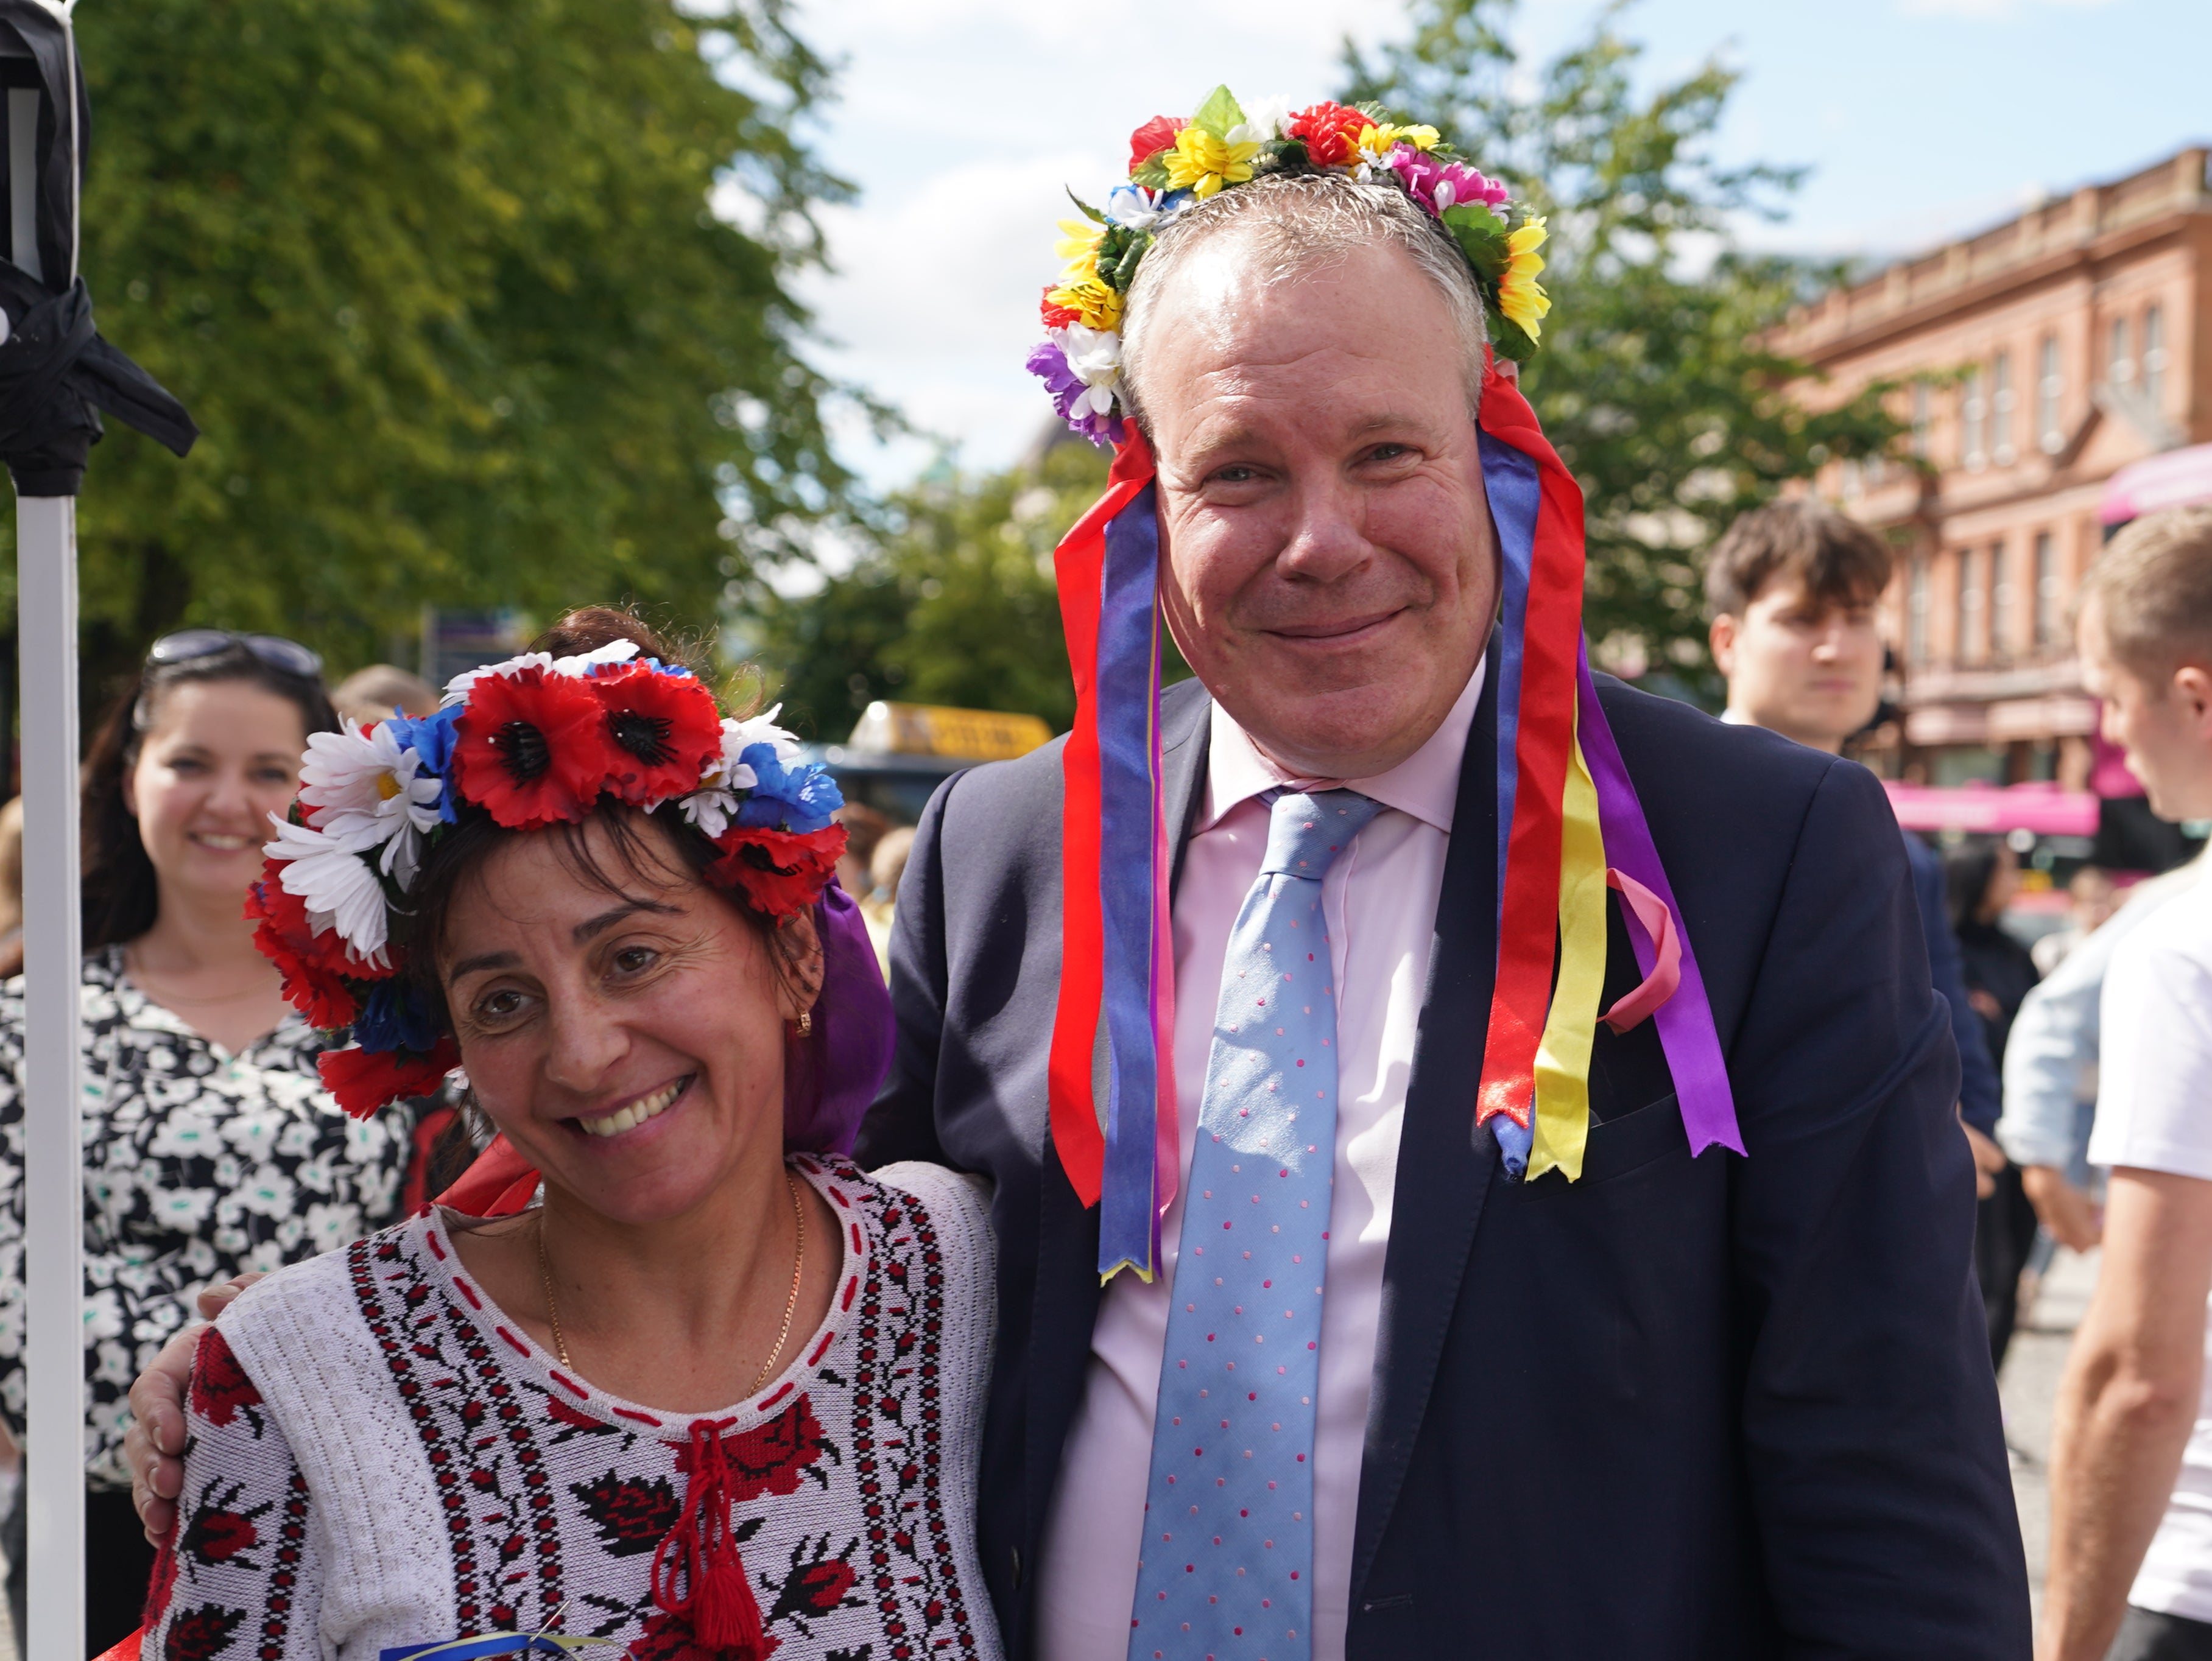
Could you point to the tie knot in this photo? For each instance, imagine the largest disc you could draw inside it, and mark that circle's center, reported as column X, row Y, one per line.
column 1305, row 832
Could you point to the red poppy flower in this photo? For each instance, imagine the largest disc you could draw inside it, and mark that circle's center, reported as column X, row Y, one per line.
column 781, row 873
column 662, row 731
column 1157, row 134
column 315, row 967
column 1328, row 131
column 363, row 1081
column 530, row 748
column 1056, row 317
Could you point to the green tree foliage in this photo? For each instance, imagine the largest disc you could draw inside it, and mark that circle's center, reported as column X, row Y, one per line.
column 441, row 284
column 1655, row 381
column 955, row 604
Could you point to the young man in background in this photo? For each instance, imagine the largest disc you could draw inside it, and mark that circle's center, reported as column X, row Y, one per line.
column 2131, row 1444
column 1791, row 589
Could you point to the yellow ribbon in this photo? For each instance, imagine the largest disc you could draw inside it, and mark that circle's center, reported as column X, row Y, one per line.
column 1563, row 1058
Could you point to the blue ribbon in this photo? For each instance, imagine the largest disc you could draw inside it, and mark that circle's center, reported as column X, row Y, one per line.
column 1128, row 753
column 1516, row 496
column 492, row 1643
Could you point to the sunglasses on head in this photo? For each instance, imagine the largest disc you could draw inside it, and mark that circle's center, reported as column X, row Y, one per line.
column 189, row 644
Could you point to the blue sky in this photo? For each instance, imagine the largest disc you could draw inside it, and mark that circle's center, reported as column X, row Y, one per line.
column 962, row 120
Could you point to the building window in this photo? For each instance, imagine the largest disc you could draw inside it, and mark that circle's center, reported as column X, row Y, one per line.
column 2046, row 588
column 1973, row 419
column 1970, row 599
column 2154, row 358
column 1916, row 613
column 2050, row 388
column 2004, row 603
column 1923, row 418
column 2119, row 368
column 2001, row 410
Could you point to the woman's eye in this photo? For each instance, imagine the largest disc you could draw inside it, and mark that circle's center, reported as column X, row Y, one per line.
column 273, row 776
column 634, row 960
column 185, row 764
column 498, row 1006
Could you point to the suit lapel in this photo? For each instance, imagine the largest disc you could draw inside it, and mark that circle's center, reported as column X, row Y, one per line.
column 1444, row 1165
column 1067, row 1288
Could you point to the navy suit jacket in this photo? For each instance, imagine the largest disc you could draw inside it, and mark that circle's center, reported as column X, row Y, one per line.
column 1689, row 1409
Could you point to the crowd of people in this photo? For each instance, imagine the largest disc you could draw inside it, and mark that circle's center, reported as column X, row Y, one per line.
column 616, row 1220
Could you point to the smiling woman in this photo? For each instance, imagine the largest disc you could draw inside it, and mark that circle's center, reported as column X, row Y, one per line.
column 670, row 1405
column 209, row 1148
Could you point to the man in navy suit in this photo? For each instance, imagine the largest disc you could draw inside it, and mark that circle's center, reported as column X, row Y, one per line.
column 1682, row 1407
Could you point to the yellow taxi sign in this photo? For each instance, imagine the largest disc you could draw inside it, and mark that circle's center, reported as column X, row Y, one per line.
column 968, row 735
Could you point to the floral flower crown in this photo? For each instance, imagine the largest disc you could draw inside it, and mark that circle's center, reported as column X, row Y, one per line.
column 1174, row 163
column 535, row 741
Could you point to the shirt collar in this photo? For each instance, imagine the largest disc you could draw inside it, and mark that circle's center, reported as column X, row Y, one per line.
column 1424, row 785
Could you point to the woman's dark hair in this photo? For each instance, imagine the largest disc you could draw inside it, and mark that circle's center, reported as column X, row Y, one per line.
column 120, row 893
column 1967, row 871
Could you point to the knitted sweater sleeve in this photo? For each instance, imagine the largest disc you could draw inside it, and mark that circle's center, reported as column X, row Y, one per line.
column 242, row 1565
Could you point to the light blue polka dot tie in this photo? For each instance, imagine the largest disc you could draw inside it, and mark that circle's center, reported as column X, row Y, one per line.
column 1226, row 1571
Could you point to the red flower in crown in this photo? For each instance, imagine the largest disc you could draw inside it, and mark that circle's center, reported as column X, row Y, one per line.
column 1329, row 132
column 781, row 872
column 1056, row 317
column 528, row 748
column 1157, row 134
column 363, row 1081
column 315, row 967
column 662, row 731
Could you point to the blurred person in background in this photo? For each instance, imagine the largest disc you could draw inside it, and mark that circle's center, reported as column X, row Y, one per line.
column 2131, row 1576
column 2050, row 1068
column 2093, row 898
column 1791, row 589
column 1980, row 879
column 372, row 693
column 885, row 867
column 864, row 828
column 11, row 889
column 209, row 1146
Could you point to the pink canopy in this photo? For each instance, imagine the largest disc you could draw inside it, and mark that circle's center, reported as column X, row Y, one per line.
column 1992, row 809
column 2176, row 479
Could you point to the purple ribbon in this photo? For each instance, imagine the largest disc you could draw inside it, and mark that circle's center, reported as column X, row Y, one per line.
column 836, row 1073
column 1685, row 1021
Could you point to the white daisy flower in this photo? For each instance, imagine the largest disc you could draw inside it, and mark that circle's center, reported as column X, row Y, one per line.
column 340, row 886
column 615, row 651
column 362, row 788
column 714, row 803
column 1264, row 119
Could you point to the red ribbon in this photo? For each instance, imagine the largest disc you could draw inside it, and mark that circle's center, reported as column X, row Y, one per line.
column 1529, row 919
column 1079, row 567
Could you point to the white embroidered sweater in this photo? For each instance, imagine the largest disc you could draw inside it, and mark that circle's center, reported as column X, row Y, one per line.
column 379, row 1458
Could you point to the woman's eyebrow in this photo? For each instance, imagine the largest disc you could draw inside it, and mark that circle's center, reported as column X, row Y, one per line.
column 591, row 928
column 482, row 961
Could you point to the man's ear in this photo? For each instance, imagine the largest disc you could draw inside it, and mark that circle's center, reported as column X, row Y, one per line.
column 1721, row 636
column 2192, row 690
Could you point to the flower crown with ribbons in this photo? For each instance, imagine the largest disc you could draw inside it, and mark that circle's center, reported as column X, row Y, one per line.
column 1569, row 826
column 535, row 741
column 1174, row 163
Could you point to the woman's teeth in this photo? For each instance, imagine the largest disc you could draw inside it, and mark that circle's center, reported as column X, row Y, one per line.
column 219, row 841
column 630, row 1117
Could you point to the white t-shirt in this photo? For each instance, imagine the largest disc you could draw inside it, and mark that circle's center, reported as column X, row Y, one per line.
column 2154, row 1113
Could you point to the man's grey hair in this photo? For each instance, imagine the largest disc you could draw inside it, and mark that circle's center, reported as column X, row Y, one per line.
column 1290, row 226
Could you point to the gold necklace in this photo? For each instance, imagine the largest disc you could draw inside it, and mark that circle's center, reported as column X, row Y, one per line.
column 790, row 1303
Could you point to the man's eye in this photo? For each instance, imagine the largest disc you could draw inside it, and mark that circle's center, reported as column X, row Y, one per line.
column 1235, row 476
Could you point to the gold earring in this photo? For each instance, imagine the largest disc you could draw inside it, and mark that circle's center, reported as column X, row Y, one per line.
column 806, row 1023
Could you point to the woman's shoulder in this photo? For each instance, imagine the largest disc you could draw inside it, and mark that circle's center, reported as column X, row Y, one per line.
column 316, row 1299
column 920, row 1210
column 952, row 1199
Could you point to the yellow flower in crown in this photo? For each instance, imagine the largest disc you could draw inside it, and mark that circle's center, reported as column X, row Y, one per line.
column 1520, row 296
column 1202, row 164
column 1078, row 246
column 1091, row 299
column 1377, row 140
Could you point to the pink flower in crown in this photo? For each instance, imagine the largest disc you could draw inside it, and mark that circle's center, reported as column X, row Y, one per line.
column 1436, row 186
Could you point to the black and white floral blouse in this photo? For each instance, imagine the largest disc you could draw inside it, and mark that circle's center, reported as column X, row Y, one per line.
column 198, row 1164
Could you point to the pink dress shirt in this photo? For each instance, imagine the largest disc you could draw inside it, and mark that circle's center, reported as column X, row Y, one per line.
column 1380, row 898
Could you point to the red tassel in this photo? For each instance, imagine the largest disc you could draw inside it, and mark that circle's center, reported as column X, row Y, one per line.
column 717, row 1600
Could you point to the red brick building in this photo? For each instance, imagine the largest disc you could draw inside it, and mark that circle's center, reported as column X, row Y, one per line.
column 2033, row 361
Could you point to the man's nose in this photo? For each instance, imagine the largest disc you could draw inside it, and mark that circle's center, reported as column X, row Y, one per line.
column 1329, row 537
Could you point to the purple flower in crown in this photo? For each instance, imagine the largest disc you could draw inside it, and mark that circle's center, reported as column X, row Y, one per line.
column 1438, row 186
column 1081, row 369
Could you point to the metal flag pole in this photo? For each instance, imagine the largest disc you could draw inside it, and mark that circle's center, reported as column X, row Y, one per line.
column 56, row 373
